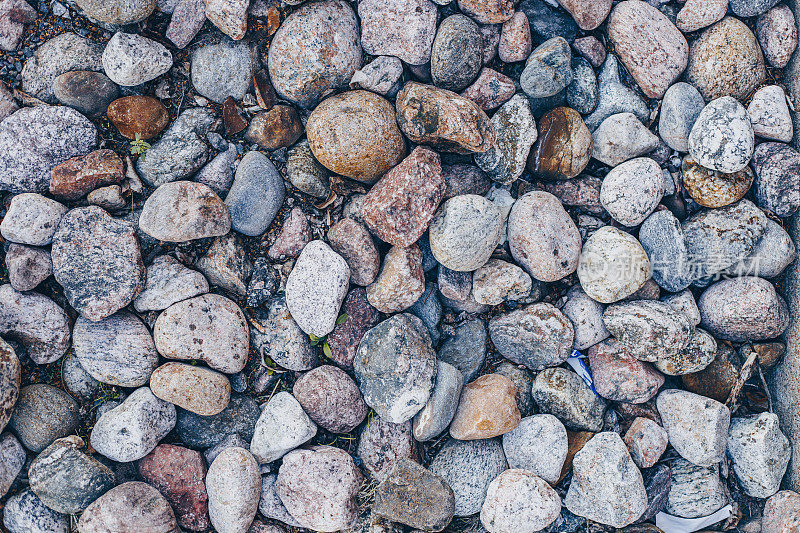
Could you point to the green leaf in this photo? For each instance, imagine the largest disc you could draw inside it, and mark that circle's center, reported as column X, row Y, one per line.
column 342, row 319
column 326, row 349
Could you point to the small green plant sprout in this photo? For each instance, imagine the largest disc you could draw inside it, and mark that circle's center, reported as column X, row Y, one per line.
column 139, row 146
column 326, row 349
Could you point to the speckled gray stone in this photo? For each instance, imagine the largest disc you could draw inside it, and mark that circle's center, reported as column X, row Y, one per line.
column 697, row 426
column 465, row 231
column 680, row 107
column 131, row 59
column 275, row 335
column 696, row 491
column 777, row 183
column 562, row 393
column 26, row 513
column 62, row 53
column 222, row 70
column 649, row 329
column 538, row 445
column 614, row 96
column 722, row 137
column 434, row 418
column 256, row 195
column 586, row 316
column 36, row 321
column 168, row 282
column 516, row 132
column 282, row 427
column 43, row 414
column 465, row 348
column 548, row 69
column 457, row 53
column 760, row 453
column 538, row 336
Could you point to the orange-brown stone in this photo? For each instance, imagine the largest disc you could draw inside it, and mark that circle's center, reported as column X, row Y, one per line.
column 78, row 176
column 488, row 408
column 138, row 114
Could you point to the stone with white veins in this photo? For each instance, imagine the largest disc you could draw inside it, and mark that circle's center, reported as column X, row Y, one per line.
column 621, row 137
column 722, row 137
column 697, row 426
column 282, row 427
column 516, row 132
column 130, row 59
column 538, row 445
column 760, row 453
column 26, row 513
column 168, row 282
column 696, row 491
column 233, row 483
column 769, row 114
column 613, row 265
column 632, row 190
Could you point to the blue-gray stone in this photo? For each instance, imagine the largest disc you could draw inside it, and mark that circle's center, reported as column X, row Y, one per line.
column 465, row 348
column 428, row 308
column 239, row 417
column 662, row 238
column 222, row 70
column 548, row 21
column 25, row 513
column 582, row 93
column 256, row 195
column 548, row 69
column 615, row 97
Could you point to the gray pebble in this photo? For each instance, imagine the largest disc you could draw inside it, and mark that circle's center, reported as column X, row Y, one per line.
column 282, row 427
column 35, row 321
column 516, row 132
column 457, row 53
column 760, row 453
column 537, row 336
column 256, row 195
column 696, row 491
column 547, row 70
column 63, row 53
column 434, row 418
column 222, row 70
column 680, row 107
column 538, row 445
column 465, row 348
column 582, row 92
column 76, row 379
column 614, row 96
column 649, row 329
column 26, row 513
column 130, row 59
column 27, row 266
column 43, row 414
column 168, row 282
column 276, row 336
column 697, row 426
column 722, row 137
column 12, row 459
column 305, row 172
column 586, row 316
column 563, row 393
column 777, row 180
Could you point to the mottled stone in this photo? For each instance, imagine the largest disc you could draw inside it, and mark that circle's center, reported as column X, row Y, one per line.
column 711, row 188
column 31, row 219
column 776, row 167
column 487, row 409
column 233, row 484
column 760, row 453
column 457, row 53
column 437, row 414
column 490, row 90
column 230, row 16
column 697, row 426
column 771, row 255
column 276, row 128
column 187, row 20
column 35, row 321
column 465, row 348
column 80, row 175
column 696, row 491
column 614, row 96
column 27, row 266
column 168, row 282
column 331, row 398
column 538, row 336
column 129, row 507
column 515, row 40
column 519, row 501
column 515, row 130
column 769, row 114
column 117, row 12
column 564, row 147
column 613, row 265
column 465, row 231
column 196, row 389
column 548, row 69
column 256, row 194
column 646, row 441
column 142, row 115
column 722, row 136
column 182, row 211
column 538, row 445
column 345, row 337
column 650, row 330
column 562, row 393
column 43, row 414
column 353, row 242
column 777, row 34
column 697, row 14
column 382, row 443
column 282, row 427
column 130, row 59
column 62, row 53
column 621, row 377
column 381, row 75
column 400, row 28
column 88, row 92
column 24, row 512
column 632, row 190
column 621, row 137
column 223, row 69
column 781, row 511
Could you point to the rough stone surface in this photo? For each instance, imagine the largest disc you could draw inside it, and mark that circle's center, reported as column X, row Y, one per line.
column 353, row 242
column 465, row 231
column 144, row 115
column 125, row 12
column 515, row 130
column 621, row 137
column 490, row 90
column 776, row 166
column 697, row 14
column 168, row 282
column 782, row 510
column 498, row 281
column 621, row 377
column 381, row 443
column 722, row 136
column 562, row 393
column 27, row 266
column 519, row 501
column 43, row 413
column 282, row 427
column 331, row 398
column 196, row 389
column 35, row 321
column 613, row 265
column 465, row 348
column 777, row 35
column 233, row 484
column 538, row 445
column 537, row 336
column 547, row 69
column 696, row 491
column 586, row 316
column 646, row 441
column 769, row 114
column 345, row 337
column 400, row 28
column 129, row 507
column 62, row 53
column 31, row 219
column 222, row 70
column 25, row 512
column 760, row 453
column 697, row 426
column 238, row 418
column 457, row 53
column 632, row 190
column 648, row 329
column 130, row 59
column 487, row 409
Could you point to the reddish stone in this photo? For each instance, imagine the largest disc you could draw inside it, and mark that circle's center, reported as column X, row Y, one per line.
column 579, row 192
column 78, row 176
column 345, row 337
column 331, row 398
column 352, row 241
column 382, row 443
column 647, row 442
column 782, row 513
column 138, row 114
column 490, row 90
column 178, row 474
column 515, row 39
column 265, row 93
column 276, row 128
column 620, row 377
column 294, row 235
column 591, row 49
column 464, row 179
column 232, row 117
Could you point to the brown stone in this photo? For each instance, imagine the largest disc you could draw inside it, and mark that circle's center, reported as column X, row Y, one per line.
column 331, row 398
column 488, row 408
column 194, row 388
column 647, row 442
column 77, row 176
column 276, row 128
column 581, row 192
column 401, row 281
column 464, row 179
column 564, row 146
column 401, row 205
column 590, row 48
column 265, row 93
column 352, row 241
column 345, row 337
column 620, row 377
column 138, row 114
column 576, row 440
column 711, row 188
column 178, row 474
column 490, row 90
column 769, row 353
column 717, row 379
column 589, row 14
column 232, row 117
column 488, row 11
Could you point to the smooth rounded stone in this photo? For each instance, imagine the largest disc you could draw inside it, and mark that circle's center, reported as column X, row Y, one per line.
column 769, row 114
column 632, row 190
column 239, row 417
column 523, row 379
column 498, row 281
column 77, row 176
column 646, row 441
column 648, row 329
column 547, row 69
column 88, row 92
column 282, row 427
column 562, row 393
column 43, row 414
column 142, row 115
column 621, row 137
column 487, row 409
column 256, row 194
column 680, row 107
column 381, row 443
column 331, row 398
column 27, row 266
column 590, row 48
column 210, row 328
column 490, row 90
column 270, row 505
column 129, row 507
column 515, row 130
column 25, row 513
column 31, row 219
column 777, row 35
column 711, row 188
column 606, row 486
column 722, row 136
column 725, row 61
column 619, row 376
column 782, row 510
column 319, row 487
column 230, row 16
column 613, row 265
column 276, row 128
column 275, row 336
column 648, row 44
column 188, row 17
column 168, row 282
column 182, row 211
column 697, row 14
column 488, row 12
column 117, row 12
column 315, row 51
column 233, row 484
column 196, row 389
column 537, row 336
column 776, row 166
column 381, row 75
column 222, row 70
column 355, row 134
column 515, row 40
column 400, row 28
column 696, row 491
column 614, row 96
column 582, row 93
column 663, row 239
column 538, row 445
column 438, row 412
column 771, row 255
column 697, row 355
column 465, row 231
column 697, row 426
column 586, row 316
column 518, row 501
column 12, row 459
column 130, row 59
column 461, row 125
column 457, row 53
column 353, row 242
column 760, row 453
column 305, row 172
column 465, row 348
column 751, row 8
column 35, row 321
column 589, row 14
column 565, row 145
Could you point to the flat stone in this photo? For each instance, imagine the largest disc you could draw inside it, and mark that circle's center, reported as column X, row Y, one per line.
column 306, row 173
column 538, row 445
column 25, row 512
column 35, row 321
column 562, row 393
column 646, row 441
column 498, row 281
column 437, row 414
column 621, row 137
column 382, row 443
column 465, row 231
column 256, row 194
column 487, row 409
column 777, row 35
column 113, row 511
column 565, row 145
column 722, row 136
column 400, row 28
column 548, row 69
column 696, row 491
column 621, row 377
column 649, row 330
column 537, row 336
column 196, row 389
column 697, row 426
column 457, row 52
column 680, row 107
column 222, row 70
column 381, row 75
column 238, row 418
column 63, row 53
column 88, row 92
column 515, row 130
column 142, row 115
column 613, row 265
column 282, row 427
column 168, row 282
column 517, row 501
column 632, row 190
column 130, row 59
column 233, row 484
column 331, row 398
column 182, row 211
column 775, row 166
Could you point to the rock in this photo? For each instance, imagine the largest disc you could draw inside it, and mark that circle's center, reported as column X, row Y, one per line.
column 649, row 330
column 114, row 510
column 381, row 443
column 142, row 115
column 210, row 328
column 697, row 426
column 314, row 52
column 632, row 190
column 263, row 283
column 586, row 316
column 743, row 309
column 646, row 441
column 226, row 264
column 35, row 321
column 117, row 350
column 396, row 391
column 697, row 14
column 238, row 418
column 537, row 336
column 621, row 137
column 490, row 90
column 282, row 427
column 697, row 355
column 63, row 53
column 696, row 491
column 711, row 188
column 305, row 172
column 582, row 93
column 230, row 16
column 614, row 96
column 717, row 379
column 515, row 40
column 13, row 459
column 465, row 348
column 117, row 12
column 760, row 453
column 43, row 414
column 25, row 512
column 256, row 195
column 565, row 146
column 547, row 69
column 751, row 8
column 233, row 484
column 457, row 53
column 353, row 242
column 454, row 285
column 31, row 219
column 270, row 505
column 196, row 389
column 277, row 128
column 772, row 254
column 590, row 48
column 487, row 409
column 319, row 487
column 7, row 103
column 34, row 140
column 461, row 127
column 77, row 176
column 276, row 336
column 769, row 114
column 562, row 393
column 223, row 69
column 725, row 61
column 722, row 136
column 775, row 166
column 88, row 92
column 519, row 501
column 414, row 496
column 355, row 134
column 437, row 414
column 13, row 17
column 465, row 231
column 492, row 12
column 619, row 376
column 345, row 337
column 777, row 34
column 612, row 266
column 130, row 59
column 182, row 211
column 295, row 234
column 168, row 282
column 381, row 75
column 187, row 20
column 782, row 509
column 178, row 474
column 401, row 28
column 680, row 107
column 331, row 398
column 515, row 131
column 498, row 281
column 538, row 445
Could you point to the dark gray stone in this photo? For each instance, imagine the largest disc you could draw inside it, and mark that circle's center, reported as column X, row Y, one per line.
column 547, row 70
column 263, row 284
column 240, row 417
column 256, row 195
column 751, row 8
column 25, row 513
column 457, row 53
column 276, row 336
column 537, row 336
column 661, row 236
column 582, row 92
column 88, row 92
column 465, row 348
column 548, row 21
column 777, row 183
column 560, row 392
column 428, row 308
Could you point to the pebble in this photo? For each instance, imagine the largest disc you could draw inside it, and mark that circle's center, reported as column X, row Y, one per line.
column 646, row 441
column 31, row 219
column 538, row 445
column 697, row 14
column 233, row 484
column 130, row 59
column 277, row 128
column 43, row 414
column 465, row 231
column 222, row 70
column 355, row 134
column 775, row 166
column 305, row 61
column 490, row 90
column 196, row 389
column 114, row 510
column 381, row 75
column 619, row 376
column 276, row 336
column 270, row 505
column 565, row 145
column 187, row 20
column 462, row 126
column 35, row 321
column 178, row 474
column 697, row 355
column 454, row 285
column 88, row 92
column 382, row 443
column 319, row 487
column 256, row 194
column 117, row 350
column 612, row 266
column 331, row 398
column 680, row 107
column 760, row 453
column 142, row 115
column 117, row 12
column 590, row 48
column 769, row 114
column 711, row 188
column 586, row 316
column 77, row 176
column 238, row 418
column 725, row 61
column 182, row 211
column 751, row 8
column 438, row 412
column 614, row 96
column 696, row 491
column 66, row 479
column 632, row 190
column 457, row 53
column 772, row 254
column 548, row 69
column 400, row 28
column 777, row 35
column 345, row 337
column 491, row 12
column 491, row 41
column 282, row 427
column 263, row 284
column 62, row 53
column 537, row 336
column 15, row 14
column 582, row 93
column 13, row 459
column 7, row 103
column 400, row 390
column 34, row 140
column 722, row 136
column 697, row 426
column 226, row 264
column 621, row 137
column 519, row 501
column 562, row 393
column 498, row 281
column 717, row 379
column 305, row 172
column 428, row 308
column 25, row 513
column 295, row 234
column 414, row 496
column 515, row 130
column 782, row 509
column 606, row 486
column 465, row 348
column 209, row 327
column 230, row 16
column 353, row 242
column 650, row 330
column 168, row 282
column 515, row 40
column 487, row 409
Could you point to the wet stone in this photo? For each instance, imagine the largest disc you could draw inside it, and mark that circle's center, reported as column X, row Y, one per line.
column 564, row 147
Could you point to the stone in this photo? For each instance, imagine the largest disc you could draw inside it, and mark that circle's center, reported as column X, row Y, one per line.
column 381, row 443
column 769, row 114
column 13, row 17
column 226, row 264
column 381, row 75
column 331, row 398
column 622, row 137
column 751, row 8
column 256, row 194
column 144, row 116
column 345, row 337
column 168, row 282
column 117, row 350
column 614, row 96
column 31, row 219
column 270, row 505
column 457, row 52
column 696, row 491
column 35, row 321
column 282, row 427
column 697, row 426
column 319, row 487
column 697, row 14
column 632, row 190
column 117, row 13
column 401, row 28
column 305, row 172
column 80, row 175
column 515, row 40
column 547, row 69
column 612, row 266
column 88, row 92
column 491, row 12
column 498, row 281
column 519, row 501
column 646, row 441
column 782, row 510
column 586, row 316
column 438, row 412
column 590, row 48
column 772, row 254
column 276, row 337
column 187, row 20
column 233, row 484
column 230, row 16
column 355, row 134
column 465, row 348
column 131, row 506
column 13, row 459
column 63, row 53
column 775, row 166
column 760, row 453
column 722, row 136
column 43, row 414
column 777, row 35
column 487, row 409
column 353, row 242
column 238, row 418
column 315, row 51
column 108, row 198
column 25, row 512
column 196, row 389
column 711, row 188
column 515, row 130
column 582, row 93
column 717, row 379
column 680, row 107
column 222, row 70
column 465, row 231
column 461, row 126
column 562, row 393
column 295, row 234
column 538, row 445
column 589, row 14
column 649, row 330
column 7, row 103
column 276, row 128
column 263, row 284
column 537, row 336
column 209, row 327
column 182, row 211
column 621, row 377
column 564, row 147
column 490, row 90
column 454, row 285
column 130, row 59
column 606, row 486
